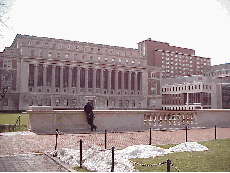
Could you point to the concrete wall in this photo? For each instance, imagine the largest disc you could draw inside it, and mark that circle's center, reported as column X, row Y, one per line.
column 212, row 117
column 46, row 120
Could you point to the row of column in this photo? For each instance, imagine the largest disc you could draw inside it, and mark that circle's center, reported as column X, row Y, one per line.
column 86, row 88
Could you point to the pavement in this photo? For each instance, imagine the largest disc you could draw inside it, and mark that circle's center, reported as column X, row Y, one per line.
column 30, row 163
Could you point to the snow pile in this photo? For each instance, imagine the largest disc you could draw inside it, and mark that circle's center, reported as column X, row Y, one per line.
column 97, row 159
column 17, row 133
column 188, row 146
column 142, row 151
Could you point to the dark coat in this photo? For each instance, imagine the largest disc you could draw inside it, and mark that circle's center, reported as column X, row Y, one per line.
column 88, row 108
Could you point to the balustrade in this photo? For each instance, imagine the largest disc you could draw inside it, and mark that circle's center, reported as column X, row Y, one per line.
column 170, row 119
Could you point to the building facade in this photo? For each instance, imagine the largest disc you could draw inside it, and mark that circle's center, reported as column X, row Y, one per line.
column 221, row 74
column 175, row 61
column 38, row 71
column 195, row 92
column 186, row 93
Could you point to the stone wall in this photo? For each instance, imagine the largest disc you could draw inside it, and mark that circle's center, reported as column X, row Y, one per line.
column 45, row 120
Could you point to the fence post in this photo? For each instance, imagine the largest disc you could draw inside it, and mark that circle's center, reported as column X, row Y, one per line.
column 112, row 169
column 56, row 139
column 150, row 136
column 186, row 135
column 215, row 131
column 19, row 117
column 105, row 138
column 168, row 165
column 80, row 153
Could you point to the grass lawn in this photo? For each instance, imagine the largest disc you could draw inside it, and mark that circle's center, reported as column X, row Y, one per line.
column 9, row 118
column 217, row 159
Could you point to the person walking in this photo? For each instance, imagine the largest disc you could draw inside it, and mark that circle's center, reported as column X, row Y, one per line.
column 90, row 116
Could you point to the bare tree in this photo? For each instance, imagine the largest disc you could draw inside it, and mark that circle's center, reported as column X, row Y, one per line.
column 4, row 10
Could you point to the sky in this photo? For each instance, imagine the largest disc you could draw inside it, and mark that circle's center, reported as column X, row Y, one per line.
column 201, row 25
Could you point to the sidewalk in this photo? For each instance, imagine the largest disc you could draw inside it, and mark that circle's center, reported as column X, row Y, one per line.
column 29, row 163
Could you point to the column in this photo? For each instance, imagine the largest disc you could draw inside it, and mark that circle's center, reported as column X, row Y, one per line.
column 116, row 82
column 36, row 78
column 86, row 81
column 129, row 83
column 122, row 83
column 102, row 81
column 44, row 78
column 70, row 79
column 135, row 83
column 61, row 78
column 109, row 81
column 187, row 100
column 78, row 80
column 94, row 80
column 53, row 79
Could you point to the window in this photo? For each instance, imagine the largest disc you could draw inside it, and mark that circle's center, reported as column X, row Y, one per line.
column 126, row 61
column 98, row 58
column 57, row 102
column 40, row 102
column 133, row 62
column 48, row 102
column 83, row 57
column 66, row 55
column 32, row 52
column 120, row 103
column 91, row 49
column 106, row 59
column 61, row 46
column 46, row 44
column 113, row 60
column 58, row 55
column 49, row 55
column 119, row 60
column 29, row 43
column 91, row 58
column 30, row 102
column 37, row 43
column 5, row 102
column 66, row 102
column 76, row 47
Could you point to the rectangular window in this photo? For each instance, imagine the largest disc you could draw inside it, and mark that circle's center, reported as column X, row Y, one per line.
column 32, row 52
column 5, row 102
column 66, row 102
column 58, row 55
column 57, row 102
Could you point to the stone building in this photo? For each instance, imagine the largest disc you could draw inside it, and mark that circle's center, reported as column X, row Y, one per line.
column 66, row 74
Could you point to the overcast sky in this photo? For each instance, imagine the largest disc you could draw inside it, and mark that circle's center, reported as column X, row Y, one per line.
column 202, row 25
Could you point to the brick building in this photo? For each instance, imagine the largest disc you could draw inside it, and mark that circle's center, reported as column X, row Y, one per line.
column 175, row 61
column 66, row 74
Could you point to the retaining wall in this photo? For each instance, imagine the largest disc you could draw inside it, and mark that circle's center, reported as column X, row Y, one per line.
column 45, row 120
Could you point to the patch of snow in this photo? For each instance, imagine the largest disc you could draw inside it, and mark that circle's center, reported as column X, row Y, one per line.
column 17, row 133
column 97, row 159
column 188, row 146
